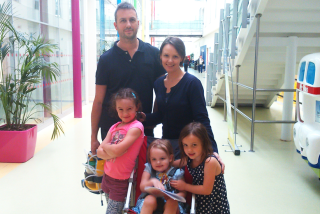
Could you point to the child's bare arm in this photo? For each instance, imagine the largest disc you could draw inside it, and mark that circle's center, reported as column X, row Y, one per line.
column 147, row 181
column 182, row 192
column 101, row 152
column 179, row 163
column 211, row 169
column 117, row 150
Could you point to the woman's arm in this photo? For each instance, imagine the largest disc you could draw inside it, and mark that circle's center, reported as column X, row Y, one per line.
column 146, row 181
column 199, row 109
column 117, row 150
column 200, row 114
column 211, row 169
column 153, row 119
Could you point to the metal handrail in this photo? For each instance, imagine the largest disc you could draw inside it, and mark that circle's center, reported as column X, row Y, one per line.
column 254, row 89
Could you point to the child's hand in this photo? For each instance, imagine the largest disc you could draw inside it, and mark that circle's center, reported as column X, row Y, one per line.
column 111, row 160
column 178, row 184
column 156, row 183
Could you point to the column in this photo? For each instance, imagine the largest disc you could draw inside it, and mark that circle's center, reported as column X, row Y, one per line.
column 44, row 29
column 90, row 31
column 76, row 50
column 291, row 58
column 148, row 17
column 102, row 27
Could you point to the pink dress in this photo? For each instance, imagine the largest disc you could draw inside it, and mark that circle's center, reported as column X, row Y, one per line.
column 122, row 167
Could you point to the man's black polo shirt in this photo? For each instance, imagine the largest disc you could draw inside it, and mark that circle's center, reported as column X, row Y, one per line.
column 117, row 70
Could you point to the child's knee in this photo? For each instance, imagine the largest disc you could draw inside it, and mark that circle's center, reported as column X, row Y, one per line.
column 171, row 202
column 171, row 206
column 150, row 200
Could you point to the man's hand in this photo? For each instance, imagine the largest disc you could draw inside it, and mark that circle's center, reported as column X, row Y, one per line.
column 94, row 146
column 178, row 184
column 220, row 160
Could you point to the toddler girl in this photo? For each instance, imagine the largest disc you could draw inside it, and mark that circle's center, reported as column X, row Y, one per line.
column 208, row 181
column 157, row 173
column 120, row 148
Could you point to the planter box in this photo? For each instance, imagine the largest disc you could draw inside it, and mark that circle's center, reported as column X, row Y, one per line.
column 18, row 146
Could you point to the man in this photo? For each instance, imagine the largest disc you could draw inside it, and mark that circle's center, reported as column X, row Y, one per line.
column 200, row 64
column 130, row 63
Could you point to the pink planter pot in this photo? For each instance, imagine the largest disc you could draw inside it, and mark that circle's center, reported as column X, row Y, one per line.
column 18, row 146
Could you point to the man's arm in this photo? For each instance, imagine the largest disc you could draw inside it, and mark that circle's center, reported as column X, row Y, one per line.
column 95, row 116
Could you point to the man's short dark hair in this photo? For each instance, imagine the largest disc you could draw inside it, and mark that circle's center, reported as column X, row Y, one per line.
column 124, row 6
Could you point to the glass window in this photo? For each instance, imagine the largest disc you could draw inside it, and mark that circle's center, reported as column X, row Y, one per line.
column 311, row 73
column 65, row 14
column 26, row 10
column 58, row 8
column 36, row 5
column 66, row 66
column 302, row 69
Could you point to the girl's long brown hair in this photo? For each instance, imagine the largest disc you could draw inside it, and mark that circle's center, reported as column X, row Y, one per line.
column 198, row 130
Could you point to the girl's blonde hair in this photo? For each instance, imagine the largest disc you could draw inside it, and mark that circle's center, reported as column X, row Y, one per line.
column 162, row 144
column 198, row 130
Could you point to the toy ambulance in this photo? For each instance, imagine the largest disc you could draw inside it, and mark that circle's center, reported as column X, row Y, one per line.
column 306, row 132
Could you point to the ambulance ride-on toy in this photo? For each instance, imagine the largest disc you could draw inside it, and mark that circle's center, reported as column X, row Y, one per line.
column 306, row 132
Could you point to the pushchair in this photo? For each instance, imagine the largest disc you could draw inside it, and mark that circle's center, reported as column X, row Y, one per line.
column 135, row 179
column 94, row 172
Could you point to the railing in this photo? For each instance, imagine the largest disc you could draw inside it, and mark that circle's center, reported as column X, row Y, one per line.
column 225, row 51
column 190, row 25
column 196, row 25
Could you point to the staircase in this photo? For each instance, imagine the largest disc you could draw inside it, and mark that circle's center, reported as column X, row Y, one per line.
column 280, row 20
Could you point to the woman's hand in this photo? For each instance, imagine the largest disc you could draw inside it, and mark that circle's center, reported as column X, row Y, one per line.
column 220, row 160
column 178, row 184
column 156, row 183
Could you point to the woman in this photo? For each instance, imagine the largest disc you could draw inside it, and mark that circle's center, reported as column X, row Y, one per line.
column 179, row 96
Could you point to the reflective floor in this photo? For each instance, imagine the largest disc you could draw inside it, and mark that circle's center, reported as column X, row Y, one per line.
column 273, row 179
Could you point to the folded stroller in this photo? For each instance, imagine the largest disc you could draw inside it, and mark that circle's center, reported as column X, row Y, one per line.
column 93, row 174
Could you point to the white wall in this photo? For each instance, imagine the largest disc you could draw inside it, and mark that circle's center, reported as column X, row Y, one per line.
column 208, row 40
column 211, row 25
column 90, row 48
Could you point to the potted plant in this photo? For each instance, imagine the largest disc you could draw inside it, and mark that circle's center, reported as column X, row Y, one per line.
column 17, row 138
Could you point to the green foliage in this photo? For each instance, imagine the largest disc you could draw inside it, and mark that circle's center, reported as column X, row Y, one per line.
column 16, row 88
column 191, row 56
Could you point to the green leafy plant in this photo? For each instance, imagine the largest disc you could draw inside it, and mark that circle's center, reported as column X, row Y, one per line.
column 191, row 56
column 17, row 87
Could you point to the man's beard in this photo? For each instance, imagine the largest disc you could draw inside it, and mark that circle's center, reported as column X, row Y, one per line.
column 133, row 36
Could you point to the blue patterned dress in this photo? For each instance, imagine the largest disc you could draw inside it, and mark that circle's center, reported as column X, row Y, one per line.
column 217, row 201
column 165, row 179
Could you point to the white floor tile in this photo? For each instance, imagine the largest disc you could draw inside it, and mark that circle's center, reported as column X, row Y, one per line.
column 273, row 179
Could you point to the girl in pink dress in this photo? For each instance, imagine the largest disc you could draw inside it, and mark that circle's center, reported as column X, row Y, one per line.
column 120, row 149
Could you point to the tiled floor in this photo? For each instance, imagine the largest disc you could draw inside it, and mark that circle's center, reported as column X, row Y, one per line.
column 273, row 179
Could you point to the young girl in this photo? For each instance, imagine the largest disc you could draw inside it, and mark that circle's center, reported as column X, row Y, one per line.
column 208, row 181
column 158, row 172
column 120, row 148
